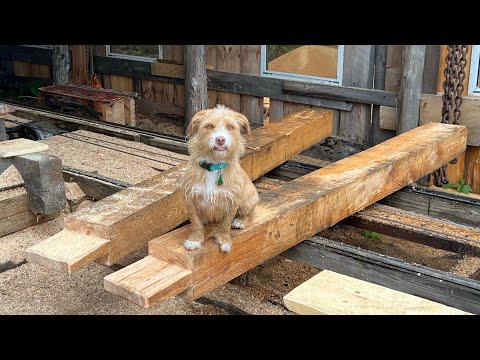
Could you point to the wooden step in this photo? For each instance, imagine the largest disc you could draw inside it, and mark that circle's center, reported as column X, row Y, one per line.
column 299, row 209
column 330, row 293
column 20, row 146
column 148, row 281
column 67, row 250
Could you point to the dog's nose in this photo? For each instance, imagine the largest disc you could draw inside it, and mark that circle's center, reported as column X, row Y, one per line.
column 220, row 140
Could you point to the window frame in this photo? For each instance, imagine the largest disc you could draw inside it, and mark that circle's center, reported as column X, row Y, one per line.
column 134, row 57
column 473, row 88
column 299, row 77
column 40, row 46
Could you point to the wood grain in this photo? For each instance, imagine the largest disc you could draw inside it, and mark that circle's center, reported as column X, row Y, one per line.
column 443, row 65
column 431, row 111
column 295, row 211
column 251, row 106
column 129, row 218
column 330, row 293
column 228, row 60
column 20, row 146
column 472, row 168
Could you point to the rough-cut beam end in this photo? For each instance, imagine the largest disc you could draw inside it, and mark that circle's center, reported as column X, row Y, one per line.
column 148, row 281
column 67, row 251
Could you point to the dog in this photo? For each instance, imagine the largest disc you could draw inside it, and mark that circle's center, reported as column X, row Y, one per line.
column 215, row 187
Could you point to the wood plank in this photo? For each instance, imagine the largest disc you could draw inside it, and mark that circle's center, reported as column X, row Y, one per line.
column 217, row 80
column 432, row 284
column 295, row 211
column 13, row 205
column 472, row 168
column 67, row 251
column 330, row 293
column 168, row 69
column 174, row 53
column 114, row 113
column 211, row 58
column 413, row 59
column 439, row 204
column 357, row 72
column 26, row 54
column 346, row 93
column 129, row 218
column 251, row 106
column 124, row 83
column 80, row 60
column 431, row 111
column 130, row 116
column 430, row 69
column 228, row 60
column 20, row 146
column 276, row 110
column 22, row 220
column 148, row 281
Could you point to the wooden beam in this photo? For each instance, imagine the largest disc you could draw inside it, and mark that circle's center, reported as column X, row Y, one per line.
column 330, row 293
column 297, row 210
column 62, row 64
column 129, row 218
column 195, row 81
column 217, row 80
column 418, row 280
column 80, row 60
column 251, row 106
column 378, row 134
column 413, row 59
column 431, row 111
column 345, row 93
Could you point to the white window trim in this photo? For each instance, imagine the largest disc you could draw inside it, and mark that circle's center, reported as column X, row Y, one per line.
column 473, row 89
column 307, row 78
column 134, row 57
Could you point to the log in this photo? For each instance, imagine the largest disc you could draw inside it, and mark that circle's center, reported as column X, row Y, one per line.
column 132, row 217
column 195, row 82
column 16, row 147
column 299, row 209
column 329, row 293
column 413, row 59
column 62, row 64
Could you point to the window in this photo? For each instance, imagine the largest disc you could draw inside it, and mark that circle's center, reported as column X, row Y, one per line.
column 315, row 63
column 474, row 81
column 41, row 46
column 136, row 52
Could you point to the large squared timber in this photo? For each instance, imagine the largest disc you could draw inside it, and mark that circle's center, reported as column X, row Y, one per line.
column 130, row 218
column 299, row 209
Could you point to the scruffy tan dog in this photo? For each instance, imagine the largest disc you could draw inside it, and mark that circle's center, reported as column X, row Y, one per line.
column 215, row 187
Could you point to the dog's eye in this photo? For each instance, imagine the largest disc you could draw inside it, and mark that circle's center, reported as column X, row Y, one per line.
column 230, row 127
column 209, row 126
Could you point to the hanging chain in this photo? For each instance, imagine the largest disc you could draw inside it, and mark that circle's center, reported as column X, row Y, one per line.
column 454, row 72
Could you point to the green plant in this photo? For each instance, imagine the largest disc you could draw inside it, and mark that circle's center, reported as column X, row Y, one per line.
column 462, row 187
column 371, row 235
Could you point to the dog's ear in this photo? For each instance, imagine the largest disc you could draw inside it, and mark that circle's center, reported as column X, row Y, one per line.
column 193, row 126
column 244, row 123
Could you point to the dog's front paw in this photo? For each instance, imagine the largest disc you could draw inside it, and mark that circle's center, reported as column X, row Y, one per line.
column 226, row 247
column 237, row 224
column 192, row 244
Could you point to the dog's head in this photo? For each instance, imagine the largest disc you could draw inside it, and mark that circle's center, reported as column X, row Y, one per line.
column 217, row 134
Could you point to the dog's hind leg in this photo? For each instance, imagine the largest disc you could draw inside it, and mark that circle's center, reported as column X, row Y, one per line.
column 244, row 214
column 222, row 233
column 196, row 237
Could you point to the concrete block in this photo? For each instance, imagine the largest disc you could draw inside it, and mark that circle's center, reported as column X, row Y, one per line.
column 43, row 176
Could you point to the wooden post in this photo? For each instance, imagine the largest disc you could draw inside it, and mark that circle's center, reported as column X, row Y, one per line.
column 379, row 135
column 251, row 106
column 195, row 81
column 80, row 72
column 62, row 64
column 413, row 59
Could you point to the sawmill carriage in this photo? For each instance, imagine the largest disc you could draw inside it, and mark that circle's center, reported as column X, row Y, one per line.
column 362, row 136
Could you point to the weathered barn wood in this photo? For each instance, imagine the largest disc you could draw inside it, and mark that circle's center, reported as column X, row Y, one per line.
column 292, row 213
column 196, row 81
column 130, row 217
column 62, row 64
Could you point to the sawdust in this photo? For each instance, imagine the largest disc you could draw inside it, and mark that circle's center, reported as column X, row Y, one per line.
column 10, row 176
column 123, row 160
